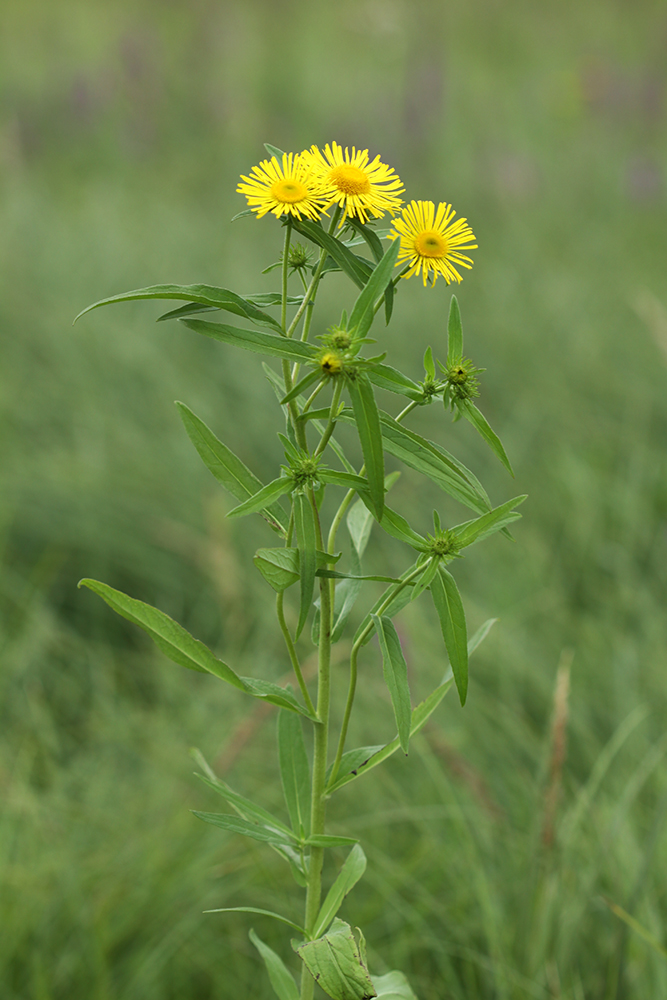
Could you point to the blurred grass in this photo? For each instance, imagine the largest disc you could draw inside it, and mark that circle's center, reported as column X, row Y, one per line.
column 123, row 128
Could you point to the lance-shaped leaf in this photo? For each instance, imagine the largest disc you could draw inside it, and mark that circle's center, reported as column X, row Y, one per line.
column 167, row 634
column 386, row 377
column 337, row 963
column 346, row 479
column 280, row 976
column 369, row 236
column 351, row 767
column 253, row 340
column 306, row 381
column 227, row 468
column 357, row 269
column 395, row 671
column 393, row 600
column 264, row 913
column 393, row 986
column 449, row 608
column 246, row 809
column 496, row 519
column 274, row 151
column 454, row 333
column 234, row 824
column 329, row 840
column 359, row 523
column 263, row 498
column 294, row 772
column 481, row 634
column 424, row 581
column 397, row 526
column 204, row 295
column 187, row 651
column 480, row 423
column 258, row 299
column 364, row 308
column 306, row 536
column 348, row 876
column 272, row 298
column 367, row 419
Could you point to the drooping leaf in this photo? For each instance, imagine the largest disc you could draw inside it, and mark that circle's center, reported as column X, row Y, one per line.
column 167, row 634
column 355, row 268
column 263, row 498
column 206, row 295
column 386, row 377
column 189, row 309
column 370, row 760
column 369, row 236
column 234, row 824
column 367, row 420
column 280, row 976
column 294, row 772
column 363, row 312
column 397, row 526
column 352, row 870
column 275, row 695
column 306, row 535
column 279, row 567
column 248, row 810
column 454, row 333
column 393, row 986
column 337, row 964
column 480, row 423
column 227, row 468
column 253, row 340
column 449, row 608
column 264, row 913
column 395, row 671
column 496, row 519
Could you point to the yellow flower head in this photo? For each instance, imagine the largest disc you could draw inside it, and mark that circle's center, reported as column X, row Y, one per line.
column 360, row 188
column 292, row 188
column 431, row 241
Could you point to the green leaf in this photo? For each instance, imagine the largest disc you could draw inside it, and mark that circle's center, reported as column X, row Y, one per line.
column 337, row 964
column 205, row 295
column 227, row 468
column 349, row 875
column 346, row 595
column 279, row 567
column 264, row 913
column 496, row 519
column 189, row 309
column 263, row 498
column 429, row 364
column 359, row 524
column 355, row 268
column 167, row 634
column 348, row 480
column 369, row 236
column 424, row 581
column 272, row 299
column 253, row 340
column 449, row 607
column 332, row 574
column 306, row 535
column 274, row 151
column 234, row 824
column 400, row 599
column 363, row 312
column 454, row 333
column 480, row 423
column 367, row 420
column 396, row 526
column 294, row 772
column 281, row 978
column 395, row 671
column 247, row 809
column 481, row 634
column 351, row 767
column 393, row 986
column 326, row 840
column 275, row 695
column 307, row 380
column 386, row 377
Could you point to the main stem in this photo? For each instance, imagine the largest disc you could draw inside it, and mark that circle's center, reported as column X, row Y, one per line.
column 321, row 744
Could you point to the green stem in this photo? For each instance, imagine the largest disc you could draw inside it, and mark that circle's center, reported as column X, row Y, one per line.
column 333, row 413
column 321, row 743
column 407, row 410
column 292, row 652
column 318, row 389
column 283, row 309
column 353, row 669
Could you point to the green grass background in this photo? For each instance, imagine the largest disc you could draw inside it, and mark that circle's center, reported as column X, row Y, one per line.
column 123, row 128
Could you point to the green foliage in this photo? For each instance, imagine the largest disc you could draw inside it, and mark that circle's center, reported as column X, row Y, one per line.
column 337, row 962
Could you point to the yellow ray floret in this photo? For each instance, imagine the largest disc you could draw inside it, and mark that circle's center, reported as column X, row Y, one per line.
column 361, row 188
column 292, row 188
column 431, row 242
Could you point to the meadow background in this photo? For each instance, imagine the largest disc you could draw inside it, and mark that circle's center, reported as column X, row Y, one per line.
column 123, row 128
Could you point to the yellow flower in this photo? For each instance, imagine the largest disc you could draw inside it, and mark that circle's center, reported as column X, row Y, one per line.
column 290, row 189
column 431, row 241
column 360, row 188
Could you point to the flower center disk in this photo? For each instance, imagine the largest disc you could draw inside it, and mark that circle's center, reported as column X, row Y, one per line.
column 431, row 244
column 289, row 191
column 350, row 180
